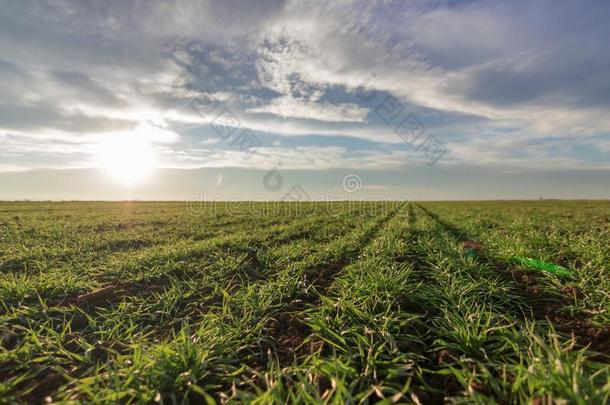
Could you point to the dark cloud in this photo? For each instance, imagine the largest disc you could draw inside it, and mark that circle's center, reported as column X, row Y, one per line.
column 508, row 54
column 583, row 82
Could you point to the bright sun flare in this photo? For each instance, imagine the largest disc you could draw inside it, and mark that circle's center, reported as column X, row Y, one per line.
column 127, row 158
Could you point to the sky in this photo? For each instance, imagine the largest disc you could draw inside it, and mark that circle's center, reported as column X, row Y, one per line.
column 272, row 99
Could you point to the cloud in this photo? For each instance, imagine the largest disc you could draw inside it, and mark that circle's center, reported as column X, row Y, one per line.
column 296, row 158
column 85, row 89
column 287, row 107
column 498, row 81
column 46, row 115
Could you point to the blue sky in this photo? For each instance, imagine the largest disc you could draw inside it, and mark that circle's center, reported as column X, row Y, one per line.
column 425, row 99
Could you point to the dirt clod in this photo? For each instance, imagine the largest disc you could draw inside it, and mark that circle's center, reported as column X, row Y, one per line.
column 9, row 340
column 572, row 291
column 79, row 321
column 471, row 244
column 96, row 296
column 443, row 356
column 544, row 400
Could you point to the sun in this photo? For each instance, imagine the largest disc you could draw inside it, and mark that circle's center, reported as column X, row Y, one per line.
column 128, row 158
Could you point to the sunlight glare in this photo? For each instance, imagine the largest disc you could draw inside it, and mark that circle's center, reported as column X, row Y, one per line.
column 128, row 158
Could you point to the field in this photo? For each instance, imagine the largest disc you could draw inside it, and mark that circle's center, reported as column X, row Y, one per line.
column 138, row 302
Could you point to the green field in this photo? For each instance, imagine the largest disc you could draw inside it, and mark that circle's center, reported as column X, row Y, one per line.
column 301, row 302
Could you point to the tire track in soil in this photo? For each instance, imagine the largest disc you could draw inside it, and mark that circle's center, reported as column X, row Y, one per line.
column 293, row 332
column 114, row 292
column 109, row 295
column 412, row 255
column 443, row 386
column 258, row 268
column 287, row 332
column 289, row 329
column 112, row 248
column 578, row 325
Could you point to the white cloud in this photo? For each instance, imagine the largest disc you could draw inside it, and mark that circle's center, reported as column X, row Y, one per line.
column 290, row 68
column 297, row 158
column 288, row 107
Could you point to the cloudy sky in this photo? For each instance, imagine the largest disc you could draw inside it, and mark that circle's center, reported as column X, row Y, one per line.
column 256, row 99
